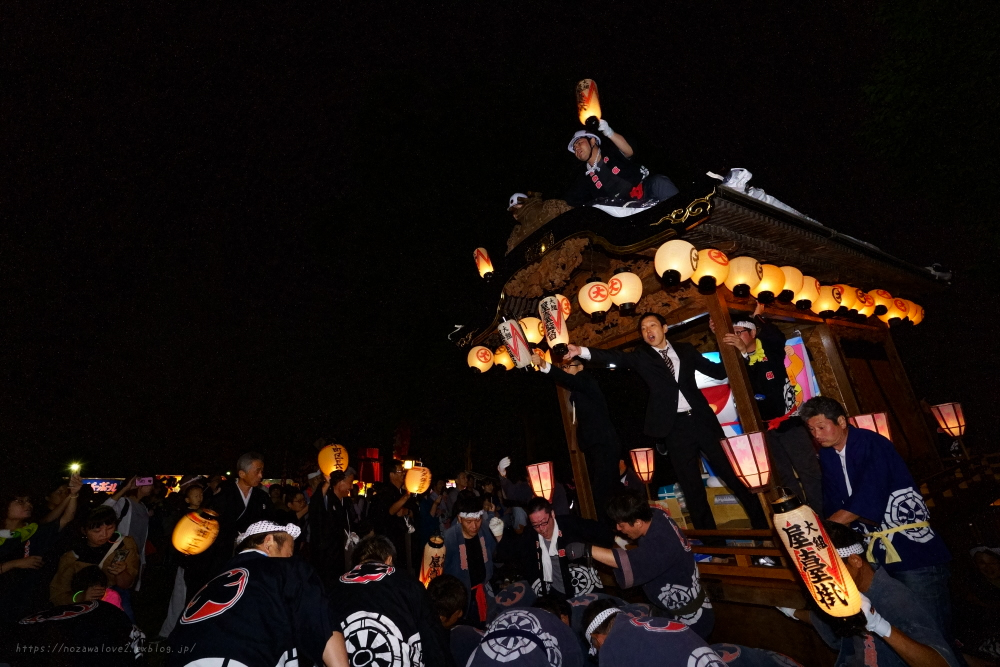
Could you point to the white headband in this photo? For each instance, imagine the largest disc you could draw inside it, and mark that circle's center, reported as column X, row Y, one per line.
column 596, row 623
column 471, row 515
column 269, row 527
column 314, row 475
column 746, row 324
column 844, row 552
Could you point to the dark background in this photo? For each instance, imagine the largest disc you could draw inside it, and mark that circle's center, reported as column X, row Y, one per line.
column 251, row 227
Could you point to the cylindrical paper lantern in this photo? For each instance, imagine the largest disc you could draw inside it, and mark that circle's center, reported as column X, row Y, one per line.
column 748, row 455
column 811, row 549
column 502, row 358
column 882, row 300
column 876, row 421
column 643, row 461
column 828, row 301
column 433, row 561
column 516, row 343
column 554, row 324
column 793, row 283
column 483, row 263
column 565, row 306
column 587, row 101
column 625, row 289
column 866, row 304
column 541, row 478
column 418, row 479
column 333, row 457
column 848, row 296
column 195, row 532
column 595, row 298
column 713, row 268
column 533, row 330
column 772, row 280
column 744, row 274
column 675, row 261
column 480, row 359
column 896, row 311
column 809, row 293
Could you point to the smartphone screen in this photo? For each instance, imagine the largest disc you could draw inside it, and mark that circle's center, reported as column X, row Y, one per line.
column 144, row 481
column 120, row 555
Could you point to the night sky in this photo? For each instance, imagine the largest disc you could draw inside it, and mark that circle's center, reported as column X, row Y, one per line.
column 251, row 226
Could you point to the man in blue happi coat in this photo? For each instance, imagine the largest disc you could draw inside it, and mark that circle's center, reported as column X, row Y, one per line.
column 866, row 485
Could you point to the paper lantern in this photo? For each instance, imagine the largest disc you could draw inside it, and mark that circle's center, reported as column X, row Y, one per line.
column 433, row 561
column 643, row 461
column 918, row 315
column 793, row 283
column 744, row 274
column 516, row 343
column 811, row 549
column 595, row 298
column 370, row 469
column 195, row 532
column 587, row 101
column 748, row 455
column 534, row 332
column 483, row 263
column 625, row 289
column 828, row 301
column 772, row 281
column 950, row 418
column 333, row 457
column 713, row 268
column 480, row 359
column 675, row 261
column 848, row 296
column 565, row 306
column 554, row 324
column 866, row 304
column 418, row 479
column 896, row 311
column 540, row 476
column 876, row 421
column 911, row 310
column 809, row 293
column 882, row 300
column 502, row 358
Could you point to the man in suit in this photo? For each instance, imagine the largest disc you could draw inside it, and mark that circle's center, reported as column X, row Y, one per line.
column 678, row 417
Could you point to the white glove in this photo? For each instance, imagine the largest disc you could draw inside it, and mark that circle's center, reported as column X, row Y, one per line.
column 605, row 129
column 496, row 526
column 621, row 541
column 876, row 623
column 787, row 611
column 504, row 464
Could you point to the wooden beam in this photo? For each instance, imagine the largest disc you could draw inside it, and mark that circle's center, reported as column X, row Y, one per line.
column 576, row 457
column 739, row 380
column 839, row 368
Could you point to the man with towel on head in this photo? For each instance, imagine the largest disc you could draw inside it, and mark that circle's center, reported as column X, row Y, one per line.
column 469, row 548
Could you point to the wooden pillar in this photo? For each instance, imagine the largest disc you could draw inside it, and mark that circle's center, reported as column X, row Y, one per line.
column 576, row 457
column 839, row 368
column 739, row 379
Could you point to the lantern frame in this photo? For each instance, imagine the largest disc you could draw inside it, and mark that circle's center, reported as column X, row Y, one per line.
column 644, row 463
column 749, row 449
column 950, row 418
column 875, row 421
column 542, row 479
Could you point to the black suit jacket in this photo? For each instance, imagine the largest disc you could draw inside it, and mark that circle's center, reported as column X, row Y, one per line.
column 594, row 427
column 661, row 410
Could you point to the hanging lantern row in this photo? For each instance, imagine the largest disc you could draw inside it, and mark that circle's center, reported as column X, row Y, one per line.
column 519, row 337
column 677, row 261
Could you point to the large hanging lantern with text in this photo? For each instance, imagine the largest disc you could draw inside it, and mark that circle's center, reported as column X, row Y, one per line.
column 554, row 324
column 793, row 283
column 195, row 532
column 643, row 462
column 950, row 418
column 772, row 281
column 882, row 300
column 480, row 359
column 542, row 481
column 876, row 421
column 418, row 479
column 332, row 457
column 533, row 330
column 595, row 298
column 516, row 343
column 828, row 301
column 747, row 454
column 744, row 274
column 713, row 268
column 588, row 104
column 810, row 548
column 675, row 261
column 432, row 564
column 810, row 292
column 625, row 289
column 896, row 311
column 483, row 263
column 502, row 358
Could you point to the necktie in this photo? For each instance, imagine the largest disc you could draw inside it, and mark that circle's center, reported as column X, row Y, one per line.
column 670, row 364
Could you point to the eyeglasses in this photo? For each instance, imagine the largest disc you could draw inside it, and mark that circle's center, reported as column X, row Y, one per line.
column 740, row 331
column 541, row 524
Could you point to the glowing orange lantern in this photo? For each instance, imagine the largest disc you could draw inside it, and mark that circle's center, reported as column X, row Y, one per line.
column 811, row 549
column 540, row 476
column 896, row 311
column 713, row 268
column 748, row 455
column 772, row 281
column 625, row 289
column 882, row 301
column 828, row 301
column 480, row 359
column 866, row 304
column 950, row 418
column 333, row 457
column 595, row 298
column 675, row 261
column 502, row 358
column 793, row 283
column 533, row 329
column 195, row 532
column 483, row 263
column 554, row 324
column 918, row 316
column 643, row 461
column 848, row 296
column 516, row 343
column 876, row 421
column 809, row 293
column 418, row 479
column 744, row 274
column 587, row 101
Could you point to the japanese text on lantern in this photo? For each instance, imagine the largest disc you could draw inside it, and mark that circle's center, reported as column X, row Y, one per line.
column 817, row 563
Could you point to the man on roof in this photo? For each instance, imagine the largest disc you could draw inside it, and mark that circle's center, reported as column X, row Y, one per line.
column 609, row 171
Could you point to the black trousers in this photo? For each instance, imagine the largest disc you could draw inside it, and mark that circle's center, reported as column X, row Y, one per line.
column 691, row 437
column 796, row 465
column 602, row 468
